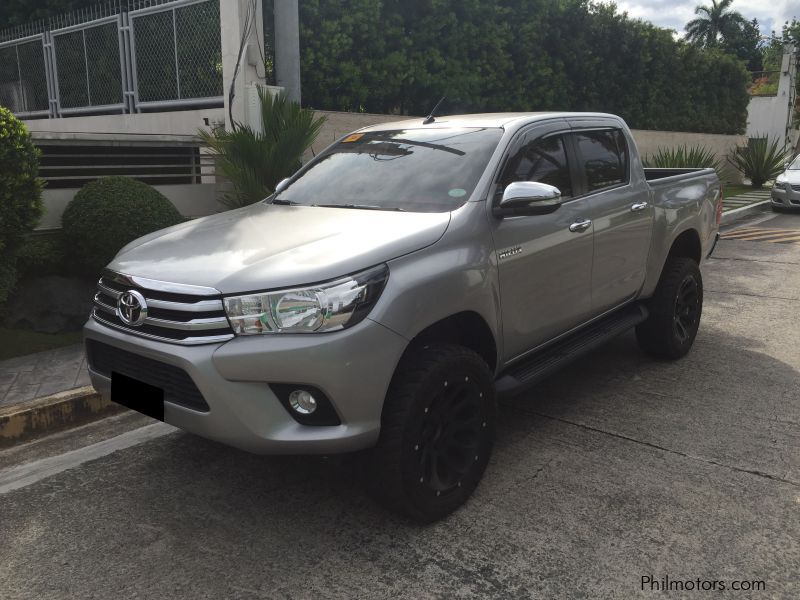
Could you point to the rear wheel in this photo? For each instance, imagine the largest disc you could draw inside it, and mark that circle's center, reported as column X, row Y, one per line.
column 675, row 311
column 437, row 431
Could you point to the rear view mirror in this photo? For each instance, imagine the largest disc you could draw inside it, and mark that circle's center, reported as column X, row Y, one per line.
column 528, row 198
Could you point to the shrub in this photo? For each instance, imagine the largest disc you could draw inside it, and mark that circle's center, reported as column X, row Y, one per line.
column 108, row 213
column 20, row 194
column 43, row 254
column 683, row 157
column 256, row 161
column 760, row 160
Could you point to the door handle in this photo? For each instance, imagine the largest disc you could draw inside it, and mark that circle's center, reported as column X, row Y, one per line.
column 580, row 226
column 638, row 207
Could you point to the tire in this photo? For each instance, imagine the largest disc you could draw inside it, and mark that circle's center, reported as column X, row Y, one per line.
column 776, row 208
column 675, row 311
column 437, row 431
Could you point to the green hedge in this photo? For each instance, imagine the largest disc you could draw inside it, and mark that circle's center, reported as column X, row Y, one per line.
column 20, row 194
column 108, row 213
column 385, row 56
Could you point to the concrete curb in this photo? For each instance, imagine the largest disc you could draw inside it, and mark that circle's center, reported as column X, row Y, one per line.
column 730, row 215
column 27, row 420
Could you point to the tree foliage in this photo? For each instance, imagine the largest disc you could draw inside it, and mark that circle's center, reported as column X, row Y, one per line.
column 256, row 161
column 20, row 12
column 401, row 56
column 20, row 194
column 714, row 23
column 718, row 26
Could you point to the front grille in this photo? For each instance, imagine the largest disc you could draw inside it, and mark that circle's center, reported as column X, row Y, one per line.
column 796, row 188
column 177, row 385
column 178, row 314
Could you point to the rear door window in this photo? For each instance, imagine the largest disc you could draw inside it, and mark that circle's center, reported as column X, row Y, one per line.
column 603, row 158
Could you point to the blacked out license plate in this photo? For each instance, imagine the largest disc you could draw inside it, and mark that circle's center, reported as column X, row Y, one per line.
column 137, row 395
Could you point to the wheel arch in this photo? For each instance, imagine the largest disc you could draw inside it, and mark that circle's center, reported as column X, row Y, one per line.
column 686, row 245
column 466, row 328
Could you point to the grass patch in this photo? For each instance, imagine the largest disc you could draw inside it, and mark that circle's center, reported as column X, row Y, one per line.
column 18, row 342
column 728, row 191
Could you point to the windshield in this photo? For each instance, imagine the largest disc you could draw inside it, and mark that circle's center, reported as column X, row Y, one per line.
column 416, row 170
column 795, row 166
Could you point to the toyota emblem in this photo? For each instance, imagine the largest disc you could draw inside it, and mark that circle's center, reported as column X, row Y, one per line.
column 132, row 308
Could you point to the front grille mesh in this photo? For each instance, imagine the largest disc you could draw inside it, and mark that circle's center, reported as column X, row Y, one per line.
column 177, row 385
column 178, row 316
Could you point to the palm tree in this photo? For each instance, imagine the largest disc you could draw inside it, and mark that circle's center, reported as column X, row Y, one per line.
column 714, row 23
column 255, row 161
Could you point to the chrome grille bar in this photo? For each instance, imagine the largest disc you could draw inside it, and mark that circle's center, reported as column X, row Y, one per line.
column 177, row 313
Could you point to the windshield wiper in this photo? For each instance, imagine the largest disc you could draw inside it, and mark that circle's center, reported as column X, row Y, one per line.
column 283, row 202
column 361, row 206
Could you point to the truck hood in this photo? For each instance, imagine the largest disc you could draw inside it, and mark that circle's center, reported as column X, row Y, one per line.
column 266, row 246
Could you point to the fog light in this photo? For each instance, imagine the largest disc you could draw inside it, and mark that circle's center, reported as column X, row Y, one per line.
column 303, row 402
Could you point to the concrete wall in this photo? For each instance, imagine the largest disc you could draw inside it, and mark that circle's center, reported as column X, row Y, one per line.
column 151, row 127
column 770, row 116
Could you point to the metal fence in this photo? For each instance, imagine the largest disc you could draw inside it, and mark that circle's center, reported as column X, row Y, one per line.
column 118, row 57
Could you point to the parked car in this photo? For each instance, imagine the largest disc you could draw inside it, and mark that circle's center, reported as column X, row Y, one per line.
column 786, row 189
column 397, row 283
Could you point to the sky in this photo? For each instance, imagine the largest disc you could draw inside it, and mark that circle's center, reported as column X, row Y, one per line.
column 674, row 14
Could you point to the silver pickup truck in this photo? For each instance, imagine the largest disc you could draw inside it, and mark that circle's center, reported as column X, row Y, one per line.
column 388, row 292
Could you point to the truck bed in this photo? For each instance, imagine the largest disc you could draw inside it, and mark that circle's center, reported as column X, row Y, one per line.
column 657, row 173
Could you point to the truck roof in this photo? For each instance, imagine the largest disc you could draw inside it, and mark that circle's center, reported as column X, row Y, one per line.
column 481, row 120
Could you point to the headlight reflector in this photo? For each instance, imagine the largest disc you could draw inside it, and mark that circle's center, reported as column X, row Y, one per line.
column 324, row 307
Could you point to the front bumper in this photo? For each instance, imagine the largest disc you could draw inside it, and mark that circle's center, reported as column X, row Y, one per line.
column 786, row 198
column 352, row 367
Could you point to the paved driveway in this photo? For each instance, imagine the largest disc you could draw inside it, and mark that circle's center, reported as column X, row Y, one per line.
column 617, row 469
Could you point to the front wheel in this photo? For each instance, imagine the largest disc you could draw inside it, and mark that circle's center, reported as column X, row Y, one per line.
column 437, row 430
column 675, row 310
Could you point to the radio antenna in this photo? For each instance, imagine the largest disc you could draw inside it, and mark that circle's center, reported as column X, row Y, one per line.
column 431, row 117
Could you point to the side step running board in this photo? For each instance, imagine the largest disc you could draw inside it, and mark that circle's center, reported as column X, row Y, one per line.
column 533, row 369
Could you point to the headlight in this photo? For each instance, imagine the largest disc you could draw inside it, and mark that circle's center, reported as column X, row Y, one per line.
column 324, row 307
column 779, row 185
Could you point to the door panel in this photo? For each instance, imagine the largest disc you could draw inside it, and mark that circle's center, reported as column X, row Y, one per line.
column 619, row 208
column 545, row 274
column 544, row 267
column 621, row 244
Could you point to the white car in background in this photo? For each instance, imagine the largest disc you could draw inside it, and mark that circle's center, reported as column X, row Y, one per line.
column 786, row 191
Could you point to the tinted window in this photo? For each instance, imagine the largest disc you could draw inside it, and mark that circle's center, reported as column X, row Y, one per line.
column 419, row 170
column 543, row 160
column 604, row 157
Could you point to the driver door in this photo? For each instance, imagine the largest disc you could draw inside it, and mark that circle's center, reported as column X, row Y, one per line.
column 544, row 261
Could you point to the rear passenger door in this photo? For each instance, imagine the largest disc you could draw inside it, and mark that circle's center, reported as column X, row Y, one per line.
column 620, row 210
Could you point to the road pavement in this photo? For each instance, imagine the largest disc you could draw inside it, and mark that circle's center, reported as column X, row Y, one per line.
column 619, row 469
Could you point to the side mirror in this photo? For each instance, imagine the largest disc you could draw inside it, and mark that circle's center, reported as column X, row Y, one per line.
column 528, row 198
column 282, row 184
